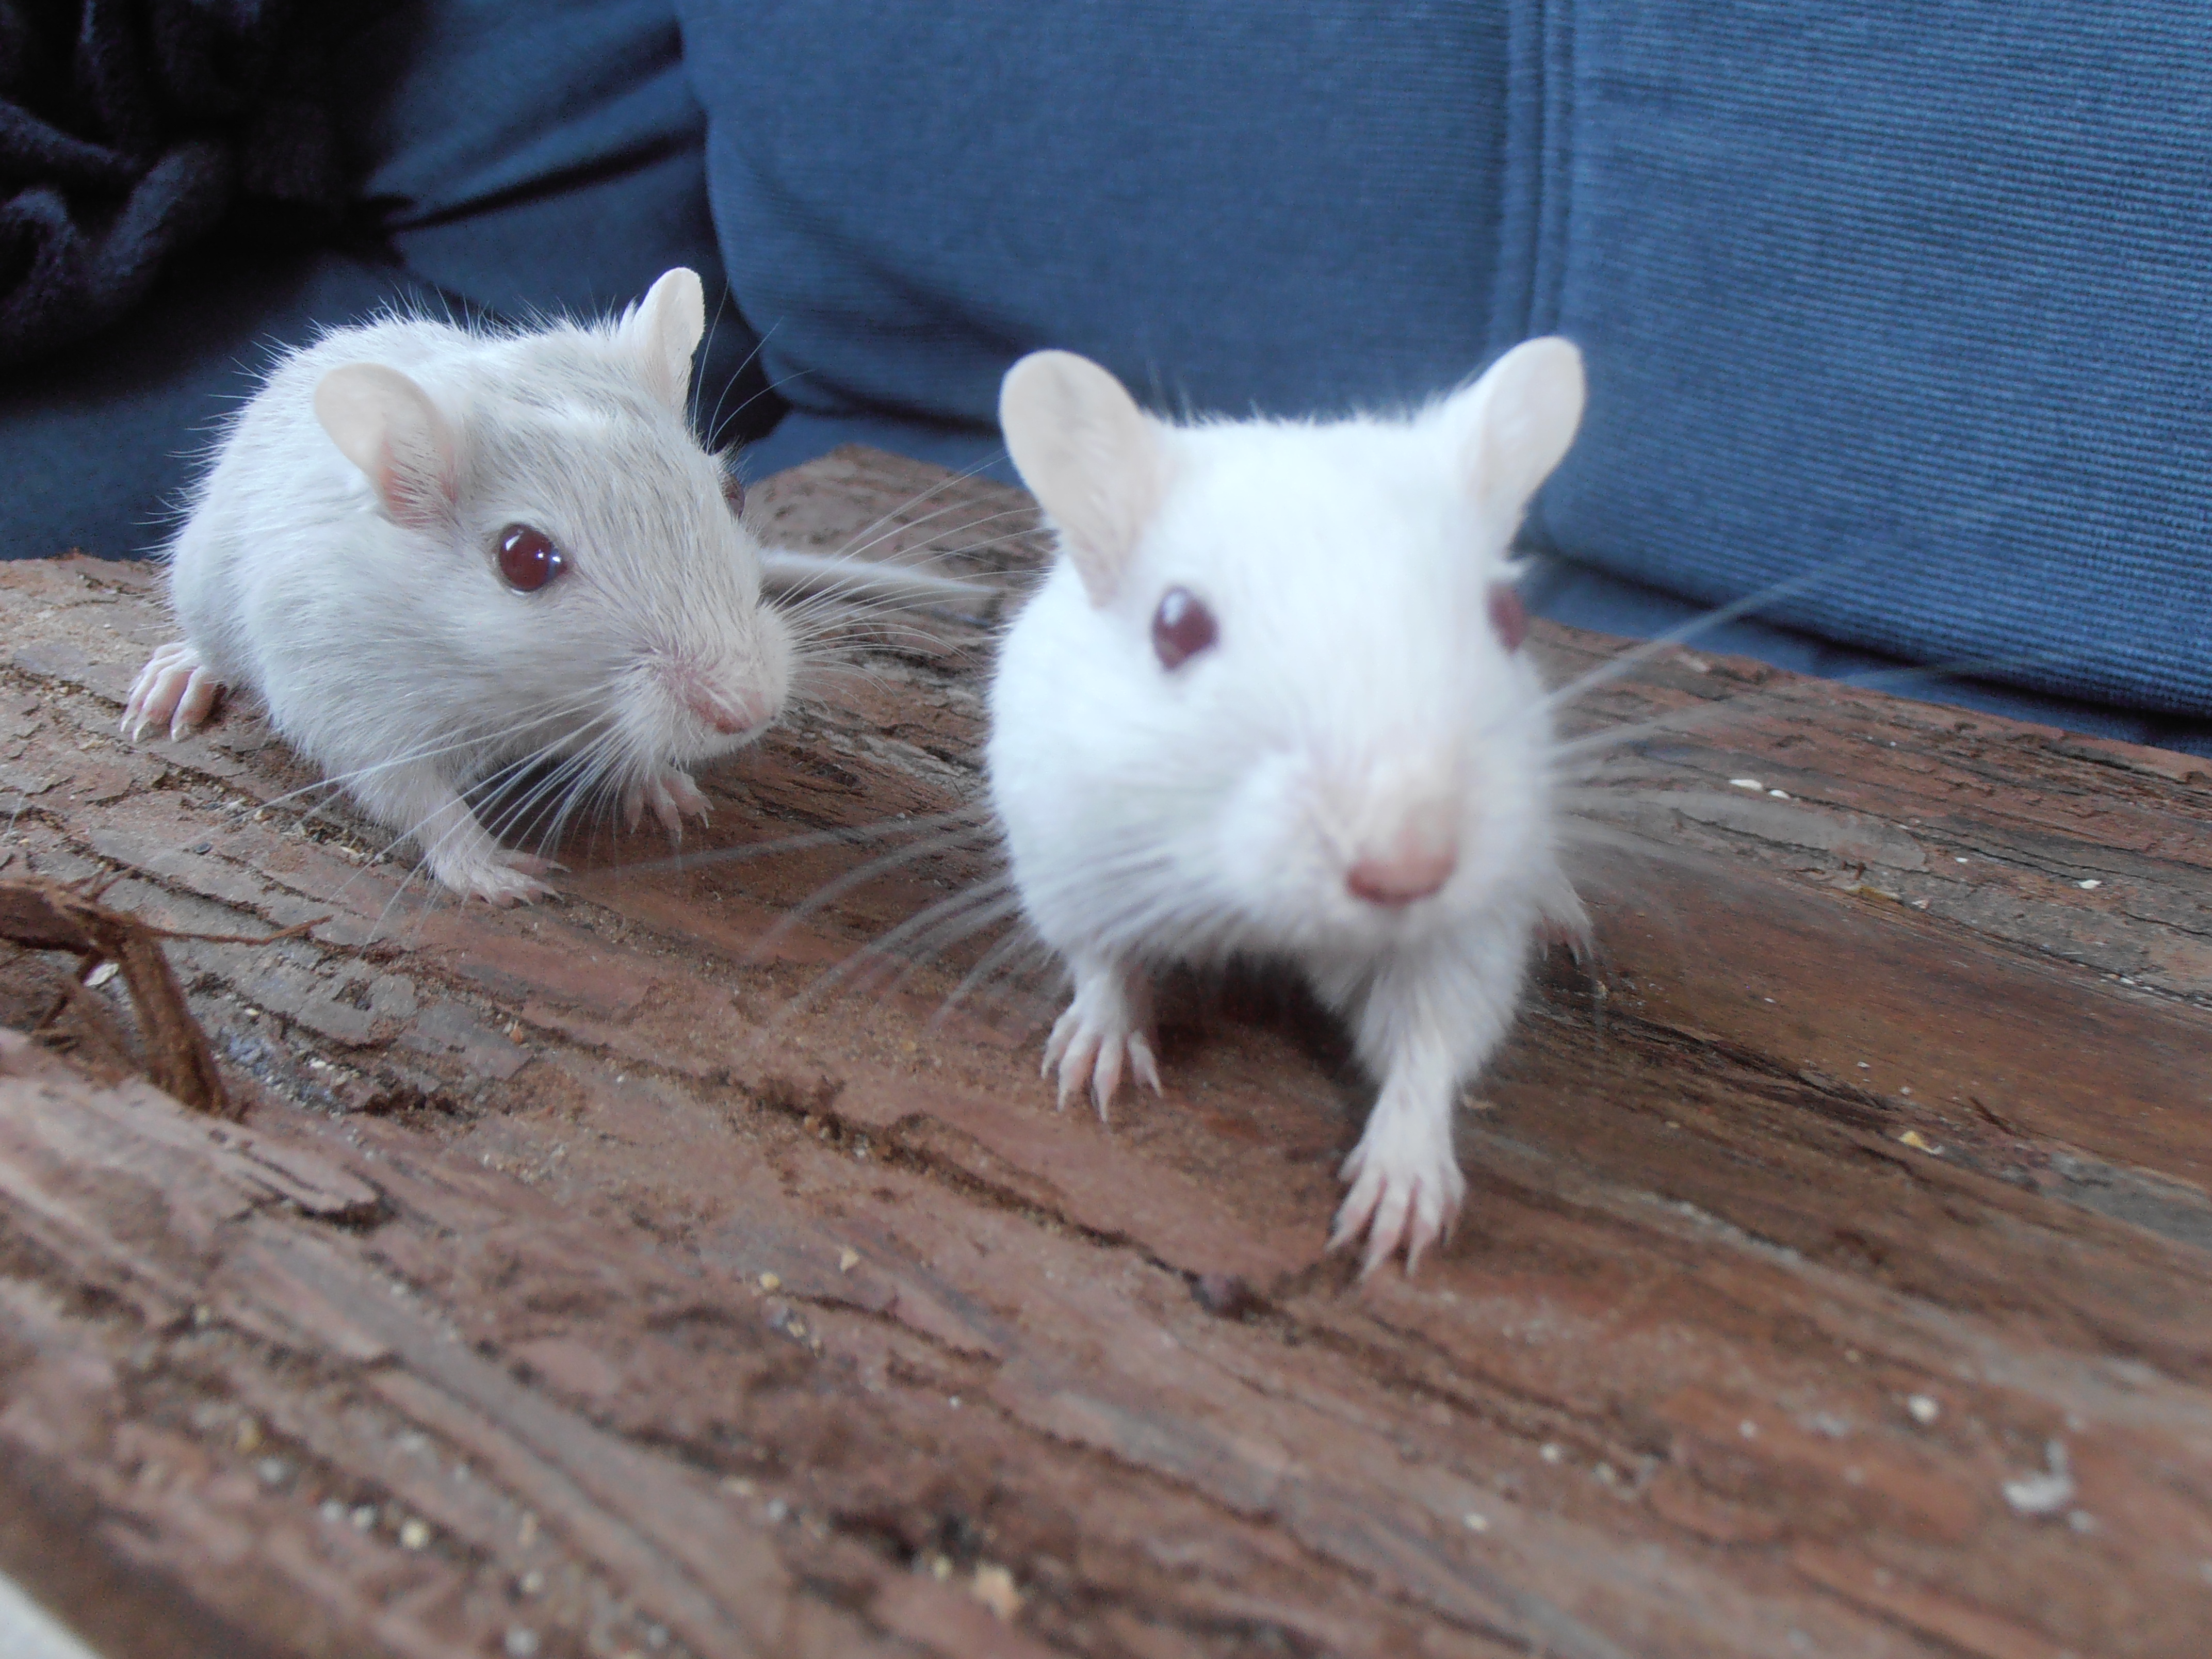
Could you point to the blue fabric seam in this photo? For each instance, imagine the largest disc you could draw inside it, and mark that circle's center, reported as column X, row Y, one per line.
column 1555, row 174
column 1520, row 177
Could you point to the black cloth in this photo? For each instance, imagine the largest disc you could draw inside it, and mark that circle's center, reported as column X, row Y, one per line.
column 504, row 159
column 131, row 130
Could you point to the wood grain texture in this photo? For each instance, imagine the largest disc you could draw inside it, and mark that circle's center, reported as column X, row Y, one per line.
column 45, row 916
column 664, row 1270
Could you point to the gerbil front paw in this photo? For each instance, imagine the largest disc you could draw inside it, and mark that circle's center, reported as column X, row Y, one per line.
column 494, row 874
column 1405, row 1186
column 174, row 688
column 1106, row 1029
column 672, row 795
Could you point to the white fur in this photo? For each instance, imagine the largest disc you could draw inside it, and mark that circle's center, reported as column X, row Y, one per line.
column 1080, row 443
column 340, row 562
column 1357, row 687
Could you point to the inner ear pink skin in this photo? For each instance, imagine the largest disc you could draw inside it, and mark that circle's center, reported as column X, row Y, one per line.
column 1509, row 617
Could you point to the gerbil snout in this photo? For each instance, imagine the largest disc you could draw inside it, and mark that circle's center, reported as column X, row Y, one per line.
column 1409, row 855
column 723, row 711
column 725, row 704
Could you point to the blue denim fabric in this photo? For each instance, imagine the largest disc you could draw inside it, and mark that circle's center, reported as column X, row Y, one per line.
column 1287, row 206
column 99, row 444
column 533, row 155
column 1909, row 302
column 1912, row 299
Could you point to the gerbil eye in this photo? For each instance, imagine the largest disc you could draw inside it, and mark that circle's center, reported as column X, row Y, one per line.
column 1182, row 628
column 1509, row 617
column 733, row 492
column 528, row 558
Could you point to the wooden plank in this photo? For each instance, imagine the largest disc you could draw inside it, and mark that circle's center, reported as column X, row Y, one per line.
column 651, row 1271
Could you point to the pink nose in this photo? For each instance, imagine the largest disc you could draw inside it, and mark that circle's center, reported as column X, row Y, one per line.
column 1402, row 879
column 727, row 715
column 1415, row 862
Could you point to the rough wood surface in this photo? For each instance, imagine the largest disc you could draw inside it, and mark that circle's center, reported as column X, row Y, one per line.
column 48, row 916
column 589, row 1279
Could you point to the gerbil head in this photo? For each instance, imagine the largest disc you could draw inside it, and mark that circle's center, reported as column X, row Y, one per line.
column 1273, row 697
column 582, row 578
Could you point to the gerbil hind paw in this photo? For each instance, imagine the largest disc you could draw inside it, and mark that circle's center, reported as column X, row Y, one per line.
column 1406, row 1189
column 494, row 875
column 672, row 795
column 1104, row 1033
column 174, row 688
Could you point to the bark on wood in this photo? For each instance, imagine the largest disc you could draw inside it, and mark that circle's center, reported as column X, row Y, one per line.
column 650, row 1271
column 45, row 915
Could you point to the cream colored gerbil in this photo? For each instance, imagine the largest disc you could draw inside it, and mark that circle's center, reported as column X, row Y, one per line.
column 440, row 555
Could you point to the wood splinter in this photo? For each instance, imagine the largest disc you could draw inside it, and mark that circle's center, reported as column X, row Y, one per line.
column 49, row 915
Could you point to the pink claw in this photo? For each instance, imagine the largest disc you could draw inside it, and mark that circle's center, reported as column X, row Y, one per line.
column 175, row 688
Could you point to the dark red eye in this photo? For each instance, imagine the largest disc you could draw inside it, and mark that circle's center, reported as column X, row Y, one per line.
column 733, row 487
column 1509, row 617
column 1182, row 628
column 528, row 558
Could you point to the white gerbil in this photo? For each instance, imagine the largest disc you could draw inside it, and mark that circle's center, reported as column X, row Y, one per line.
column 1270, row 701
column 439, row 554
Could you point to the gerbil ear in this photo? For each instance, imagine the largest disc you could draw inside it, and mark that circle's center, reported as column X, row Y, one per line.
column 1515, row 423
column 664, row 330
column 387, row 425
column 1090, row 456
